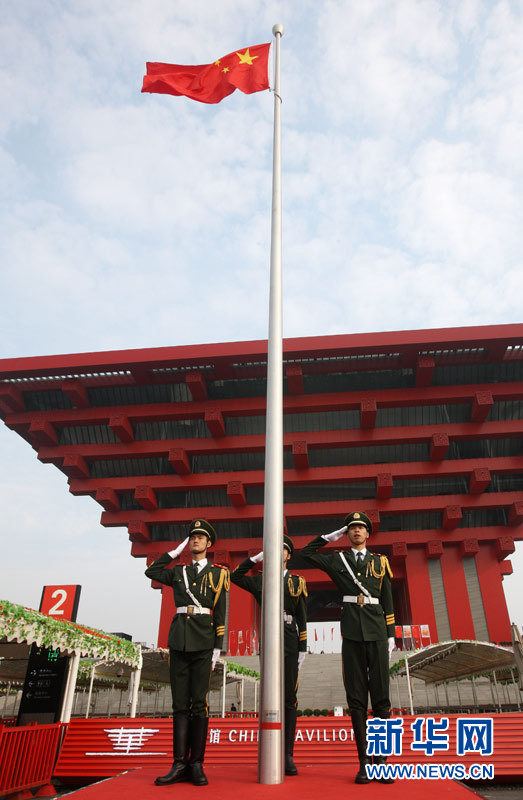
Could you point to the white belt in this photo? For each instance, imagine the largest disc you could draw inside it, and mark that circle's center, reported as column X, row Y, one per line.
column 288, row 618
column 360, row 599
column 193, row 610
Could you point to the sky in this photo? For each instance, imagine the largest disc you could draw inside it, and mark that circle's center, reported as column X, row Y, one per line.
column 139, row 220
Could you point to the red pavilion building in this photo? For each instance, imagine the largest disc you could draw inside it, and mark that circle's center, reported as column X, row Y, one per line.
column 422, row 430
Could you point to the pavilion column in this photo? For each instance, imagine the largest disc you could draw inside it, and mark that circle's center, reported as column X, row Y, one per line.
column 456, row 593
column 72, row 673
column 242, row 616
column 135, row 685
column 420, row 600
column 493, row 596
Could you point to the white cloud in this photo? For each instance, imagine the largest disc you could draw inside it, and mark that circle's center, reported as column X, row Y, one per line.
column 133, row 220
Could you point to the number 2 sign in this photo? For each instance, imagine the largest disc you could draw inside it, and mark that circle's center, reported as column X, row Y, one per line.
column 60, row 601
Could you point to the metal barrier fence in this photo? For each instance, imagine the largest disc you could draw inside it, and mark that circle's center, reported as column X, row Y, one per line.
column 27, row 756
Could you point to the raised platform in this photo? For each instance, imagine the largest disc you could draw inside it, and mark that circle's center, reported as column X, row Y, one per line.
column 106, row 747
column 312, row 782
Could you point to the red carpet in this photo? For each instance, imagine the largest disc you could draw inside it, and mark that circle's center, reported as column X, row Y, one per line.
column 312, row 783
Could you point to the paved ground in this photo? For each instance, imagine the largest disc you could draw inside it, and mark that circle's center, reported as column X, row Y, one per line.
column 500, row 792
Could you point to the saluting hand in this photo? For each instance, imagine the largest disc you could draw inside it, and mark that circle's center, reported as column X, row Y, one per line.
column 335, row 535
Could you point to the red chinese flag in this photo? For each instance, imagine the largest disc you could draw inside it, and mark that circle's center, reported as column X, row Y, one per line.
column 209, row 83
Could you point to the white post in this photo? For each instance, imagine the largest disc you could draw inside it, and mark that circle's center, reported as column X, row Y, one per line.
column 224, row 687
column 136, row 674
column 72, row 673
column 242, row 682
column 270, row 751
column 8, row 689
column 409, row 687
column 93, row 670
column 497, row 690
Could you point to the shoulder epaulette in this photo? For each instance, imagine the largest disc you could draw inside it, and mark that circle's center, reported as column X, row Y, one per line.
column 224, row 582
column 384, row 566
column 300, row 589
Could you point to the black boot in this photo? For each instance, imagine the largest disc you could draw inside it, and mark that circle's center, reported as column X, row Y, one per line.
column 198, row 740
column 359, row 726
column 290, row 733
column 178, row 771
column 382, row 760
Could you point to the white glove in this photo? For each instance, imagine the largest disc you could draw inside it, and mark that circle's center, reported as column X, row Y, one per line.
column 258, row 557
column 301, row 659
column 335, row 535
column 392, row 644
column 215, row 656
column 175, row 553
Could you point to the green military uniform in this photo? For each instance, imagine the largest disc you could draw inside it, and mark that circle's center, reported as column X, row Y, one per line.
column 197, row 628
column 366, row 624
column 294, row 634
column 193, row 636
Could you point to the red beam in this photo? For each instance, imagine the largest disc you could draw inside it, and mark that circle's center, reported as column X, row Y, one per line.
column 75, row 466
column 504, row 547
column 481, row 406
column 368, row 410
column 294, row 374
column 515, row 514
column 179, row 461
column 452, row 516
column 146, row 496
column 139, row 531
column 461, row 431
column 76, row 392
column 439, row 444
column 434, row 548
column 479, row 480
column 255, row 406
column 300, row 453
column 236, row 493
column 11, row 397
column 384, row 485
column 304, row 347
column 141, row 375
column 327, row 510
column 122, row 428
column 108, row 498
column 469, row 547
column 196, row 385
column 239, row 549
column 407, row 470
column 398, row 552
column 43, row 434
column 424, row 370
column 214, row 420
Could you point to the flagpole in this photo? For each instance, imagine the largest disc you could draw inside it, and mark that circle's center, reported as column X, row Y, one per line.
column 270, row 751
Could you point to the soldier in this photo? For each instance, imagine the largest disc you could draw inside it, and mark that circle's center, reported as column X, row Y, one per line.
column 195, row 640
column 294, row 634
column 367, row 625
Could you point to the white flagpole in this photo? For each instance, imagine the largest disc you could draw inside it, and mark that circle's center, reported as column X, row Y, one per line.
column 270, row 752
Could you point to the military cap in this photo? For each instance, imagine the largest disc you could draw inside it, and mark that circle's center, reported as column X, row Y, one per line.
column 202, row 526
column 358, row 518
column 287, row 542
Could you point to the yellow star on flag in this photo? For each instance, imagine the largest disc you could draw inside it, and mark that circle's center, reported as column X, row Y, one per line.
column 225, row 69
column 246, row 58
column 217, row 63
